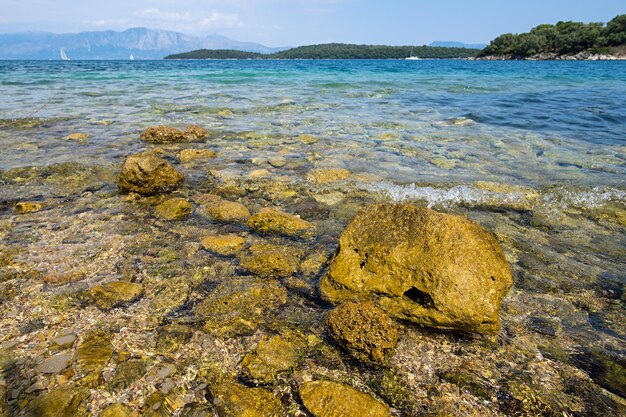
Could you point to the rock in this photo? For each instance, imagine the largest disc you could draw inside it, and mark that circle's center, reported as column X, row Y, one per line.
column 167, row 134
column 113, row 294
column 270, row 358
column 240, row 306
column 277, row 162
column 270, row 261
column 4, row 408
column 65, row 401
column 126, row 373
column 64, row 342
column 364, row 330
column 172, row 337
column 25, row 207
column 226, row 211
column 328, row 175
column 166, row 297
column 271, row 220
column 329, row 399
column 163, row 405
column 174, row 209
column 92, row 355
column 55, row 364
column 77, row 136
column 259, row 173
column 430, row 268
column 116, row 410
column 189, row 155
column 308, row 139
column 148, row 174
column 223, row 244
column 234, row 400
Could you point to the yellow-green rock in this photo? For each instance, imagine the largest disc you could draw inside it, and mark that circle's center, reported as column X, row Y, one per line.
column 25, row 207
column 172, row 337
column 159, row 404
column 223, row 244
column 270, row 261
column 328, row 175
column 126, row 373
column 234, row 400
column 113, row 294
column 92, row 355
column 364, row 330
column 226, row 211
column 77, row 136
column 116, row 410
column 165, row 297
column 4, row 408
column 270, row 358
column 419, row 265
column 174, row 209
column 240, row 306
column 66, row 401
column 167, row 134
column 189, row 155
column 329, row 399
column 148, row 174
column 308, row 139
column 274, row 221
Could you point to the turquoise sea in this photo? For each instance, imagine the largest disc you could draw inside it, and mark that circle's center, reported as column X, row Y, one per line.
column 535, row 151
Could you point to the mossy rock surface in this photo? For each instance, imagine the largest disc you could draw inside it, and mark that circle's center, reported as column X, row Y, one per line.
column 168, row 134
column 221, row 210
column 92, row 355
column 116, row 410
column 364, row 330
column 223, row 244
column 190, row 155
column 274, row 221
column 66, row 401
column 328, row 175
column 148, row 174
column 113, row 294
column 174, row 209
column 235, row 400
column 419, row 265
column 271, row 261
column 330, row 399
column 25, row 207
column 126, row 373
column 159, row 404
column 172, row 337
column 4, row 408
column 270, row 358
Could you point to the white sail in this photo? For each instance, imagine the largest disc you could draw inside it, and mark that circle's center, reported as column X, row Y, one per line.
column 64, row 56
column 132, row 58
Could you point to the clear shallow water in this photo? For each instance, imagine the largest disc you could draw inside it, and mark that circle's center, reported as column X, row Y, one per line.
column 534, row 151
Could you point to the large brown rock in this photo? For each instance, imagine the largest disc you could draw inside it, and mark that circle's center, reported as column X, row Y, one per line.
column 330, row 399
column 419, row 265
column 148, row 174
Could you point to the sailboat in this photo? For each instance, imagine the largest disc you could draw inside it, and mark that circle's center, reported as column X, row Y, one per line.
column 411, row 57
column 132, row 58
column 64, row 56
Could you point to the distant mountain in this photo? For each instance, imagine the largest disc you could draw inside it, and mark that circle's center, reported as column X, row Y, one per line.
column 142, row 43
column 454, row 44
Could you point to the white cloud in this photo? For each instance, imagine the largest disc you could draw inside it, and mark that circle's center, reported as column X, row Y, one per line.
column 218, row 20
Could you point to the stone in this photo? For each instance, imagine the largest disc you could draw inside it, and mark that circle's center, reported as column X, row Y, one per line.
column 270, row 358
column 270, row 261
column 148, row 174
column 25, row 207
column 126, row 373
column 92, row 355
column 189, row 155
column 77, row 136
column 116, row 410
column 234, row 400
column 259, row 173
column 274, row 221
column 330, row 399
column 223, row 244
column 327, row 175
column 174, row 209
column 167, row 134
column 277, row 162
column 64, row 342
column 240, row 306
column 364, row 330
column 226, row 211
column 419, row 265
column 4, row 408
column 308, row 139
column 163, row 405
column 55, row 363
column 113, row 294
column 166, row 297
column 172, row 337
column 65, row 401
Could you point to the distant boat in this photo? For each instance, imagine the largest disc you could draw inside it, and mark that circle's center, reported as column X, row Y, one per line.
column 411, row 57
column 132, row 58
column 64, row 56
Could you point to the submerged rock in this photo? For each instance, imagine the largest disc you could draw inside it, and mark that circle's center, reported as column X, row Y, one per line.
column 160, row 404
column 66, row 401
column 223, row 244
column 25, row 207
column 272, row 220
column 126, row 373
column 4, row 408
column 364, row 330
column 92, row 355
column 78, row 136
column 329, row 399
column 427, row 267
column 113, row 294
column 55, row 364
column 328, row 175
column 226, row 211
column 167, row 134
column 189, row 155
column 174, row 209
column 270, row 358
column 172, row 337
column 234, row 400
column 117, row 410
column 148, row 174
column 271, row 261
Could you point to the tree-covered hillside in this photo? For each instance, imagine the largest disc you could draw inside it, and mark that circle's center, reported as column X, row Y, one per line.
column 215, row 54
column 564, row 38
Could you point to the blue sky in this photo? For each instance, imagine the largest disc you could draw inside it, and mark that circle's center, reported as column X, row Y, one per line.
column 298, row 22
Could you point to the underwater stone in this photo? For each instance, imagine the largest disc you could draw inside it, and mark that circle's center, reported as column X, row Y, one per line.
column 55, row 364
column 92, row 355
column 327, row 175
column 270, row 358
column 308, row 139
column 419, row 265
column 113, row 294
column 66, row 401
column 163, row 405
column 148, row 174
column 172, row 337
column 226, row 211
column 272, row 220
column 364, row 330
column 25, row 207
column 174, row 209
column 270, row 261
column 189, row 155
column 126, row 373
column 223, row 244
column 77, row 136
column 4, row 408
column 116, row 410
column 330, row 399
column 234, row 400
column 167, row 134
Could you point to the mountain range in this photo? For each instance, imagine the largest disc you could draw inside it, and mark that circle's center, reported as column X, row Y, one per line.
column 142, row 43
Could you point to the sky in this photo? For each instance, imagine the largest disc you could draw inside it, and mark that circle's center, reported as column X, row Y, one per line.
column 301, row 22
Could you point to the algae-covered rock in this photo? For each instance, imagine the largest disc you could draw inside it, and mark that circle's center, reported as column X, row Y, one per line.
column 25, row 207
column 364, row 330
column 419, row 265
column 126, row 373
column 66, row 401
column 159, row 404
column 272, row 220
column 328, row 175
column 308, row 139
column 92, row 355
column 226, row 211
column 223, row 244
column 189, row 155
column 113, row 294
column 78, row 136
column 172, row 337
column 234, row 400
column 270, row 261
column 148, row 174
column 240, row 306
column 4, row 408
column 330, row 399
column 116, row 410
column 167, row 134
column 166, row 297
column 270, row 358
column 174, row 209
